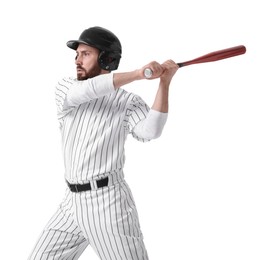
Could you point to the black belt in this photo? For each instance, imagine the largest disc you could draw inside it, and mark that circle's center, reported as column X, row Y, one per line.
column 85, row 187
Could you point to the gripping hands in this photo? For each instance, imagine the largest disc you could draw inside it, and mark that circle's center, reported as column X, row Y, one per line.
column 155, row 70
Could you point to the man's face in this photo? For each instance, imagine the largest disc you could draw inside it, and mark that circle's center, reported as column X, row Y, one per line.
column 86, row 62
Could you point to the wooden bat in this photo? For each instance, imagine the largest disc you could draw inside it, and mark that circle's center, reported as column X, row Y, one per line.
column 212, row 56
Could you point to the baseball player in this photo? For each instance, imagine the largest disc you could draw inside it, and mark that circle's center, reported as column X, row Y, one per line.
column 95, row 116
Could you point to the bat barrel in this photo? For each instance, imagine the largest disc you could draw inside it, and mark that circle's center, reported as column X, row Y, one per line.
column 213, row 56
column 217, row 55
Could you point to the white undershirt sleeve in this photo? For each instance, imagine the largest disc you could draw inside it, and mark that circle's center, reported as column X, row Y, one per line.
column 82, row 91
column 152, row 126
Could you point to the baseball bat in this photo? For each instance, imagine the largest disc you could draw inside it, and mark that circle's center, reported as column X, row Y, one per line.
column 212, row 56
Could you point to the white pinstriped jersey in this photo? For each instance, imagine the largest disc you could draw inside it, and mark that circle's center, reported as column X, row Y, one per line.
column 94, row 125
column 95, row 120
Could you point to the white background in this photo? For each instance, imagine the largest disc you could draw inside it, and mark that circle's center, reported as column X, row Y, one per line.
column 204, row 190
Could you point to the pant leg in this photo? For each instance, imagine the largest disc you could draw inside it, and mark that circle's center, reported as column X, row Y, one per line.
column 61, row 238
column 109, row 219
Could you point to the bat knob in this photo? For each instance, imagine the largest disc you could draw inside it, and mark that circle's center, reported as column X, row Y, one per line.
column 148, row 73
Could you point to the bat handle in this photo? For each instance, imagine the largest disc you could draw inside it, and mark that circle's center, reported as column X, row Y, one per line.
column 148, row 73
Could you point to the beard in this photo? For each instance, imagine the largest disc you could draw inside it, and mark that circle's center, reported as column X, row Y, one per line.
column 84, row 74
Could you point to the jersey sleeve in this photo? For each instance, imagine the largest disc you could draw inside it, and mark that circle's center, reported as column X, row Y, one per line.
column 71, row 93
column 144, row 123
column 61, row 91
column 137, row 113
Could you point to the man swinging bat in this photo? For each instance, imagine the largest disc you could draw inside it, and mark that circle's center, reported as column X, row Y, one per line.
column 96, row 115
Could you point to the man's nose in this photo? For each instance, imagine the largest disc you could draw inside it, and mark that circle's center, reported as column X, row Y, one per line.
column 78, row 60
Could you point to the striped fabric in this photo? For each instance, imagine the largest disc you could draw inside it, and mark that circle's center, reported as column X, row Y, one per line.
column 105, row 218
column 94, row 121
column 94, row 133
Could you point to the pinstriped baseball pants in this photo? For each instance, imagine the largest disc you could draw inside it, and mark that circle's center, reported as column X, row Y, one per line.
column 105, row 218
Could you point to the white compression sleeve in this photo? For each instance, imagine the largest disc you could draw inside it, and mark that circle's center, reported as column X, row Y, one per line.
column 83, row 91
column 152, row 126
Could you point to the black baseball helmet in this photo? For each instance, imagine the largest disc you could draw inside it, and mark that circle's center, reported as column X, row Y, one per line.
column 107, row 42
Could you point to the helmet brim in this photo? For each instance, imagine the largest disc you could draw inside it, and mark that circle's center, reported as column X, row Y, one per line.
column 73, row 44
